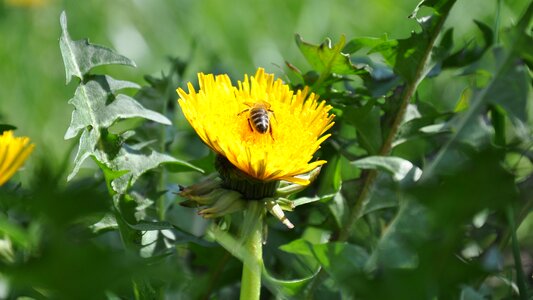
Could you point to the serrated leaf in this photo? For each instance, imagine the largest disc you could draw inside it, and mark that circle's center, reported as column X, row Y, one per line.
column 470, row 54
column 108, row 222
column 80, row 56
column 359, row 43
column 88, row 141
column 398, row 167
column 327, row 58
column 412, row 59
column 92, row 107
column 509, row 88
column 136, row 162
column 93, row 113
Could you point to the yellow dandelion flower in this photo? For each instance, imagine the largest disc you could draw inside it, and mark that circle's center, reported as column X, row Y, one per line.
column 278, row 143
column 13, row 153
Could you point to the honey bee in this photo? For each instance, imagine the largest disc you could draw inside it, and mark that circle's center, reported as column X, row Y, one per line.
column 259, row 117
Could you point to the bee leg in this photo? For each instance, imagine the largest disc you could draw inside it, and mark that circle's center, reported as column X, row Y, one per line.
column 243, row 112
column 270, row 131
column 250, row 124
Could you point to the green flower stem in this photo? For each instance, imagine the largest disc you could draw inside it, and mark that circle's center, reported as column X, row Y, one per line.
column 253, row 245
column 249, row 250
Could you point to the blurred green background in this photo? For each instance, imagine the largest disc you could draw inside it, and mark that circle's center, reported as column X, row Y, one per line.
column 233, row 37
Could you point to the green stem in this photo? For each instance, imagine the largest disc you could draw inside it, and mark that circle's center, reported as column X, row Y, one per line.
column 161, row 201
column 253, row 246
column 520, row 277
column 386, row 147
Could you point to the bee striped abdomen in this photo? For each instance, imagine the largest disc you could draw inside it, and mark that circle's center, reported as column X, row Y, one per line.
column 260, row 119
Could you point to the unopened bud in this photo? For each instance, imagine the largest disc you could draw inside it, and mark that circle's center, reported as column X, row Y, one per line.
column 275, row 209
column 228, row 202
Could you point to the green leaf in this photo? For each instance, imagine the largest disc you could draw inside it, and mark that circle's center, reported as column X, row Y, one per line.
column 15, row 233
column 398, row 167
column 340, row 259
column 326, row 58
column 397, row 247
column 80, row 56
column 93, row 113
column 366, row 120
column 411, row 61
column 299, row 246
column 359, row 43
column 330, row 179
column 137, row 162
column 292, row 287
column 509, row 88
column 470, row 54
column 386, row 196
column 92, row 108
column 107, row 223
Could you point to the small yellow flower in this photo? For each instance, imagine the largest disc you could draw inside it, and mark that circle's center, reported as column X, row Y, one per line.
column 220, row 114
column 13, row 153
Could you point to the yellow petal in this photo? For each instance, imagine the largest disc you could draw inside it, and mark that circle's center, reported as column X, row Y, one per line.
column 13, row 152
column 220, row 113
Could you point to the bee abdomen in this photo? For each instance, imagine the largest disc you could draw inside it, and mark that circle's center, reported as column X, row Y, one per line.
column 260, row 119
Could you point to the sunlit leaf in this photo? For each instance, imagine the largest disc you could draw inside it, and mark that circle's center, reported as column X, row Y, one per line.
column 398, row 167
column 136, row 162
column 327, row 58
column 80, row 56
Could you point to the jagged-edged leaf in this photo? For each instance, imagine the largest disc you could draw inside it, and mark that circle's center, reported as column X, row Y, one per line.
column 509, row 88
column 88, row 141
column 359, row 43
column 136, row 162
column 327, row 58
column 94, row 112
column 469, row 54
column 108, row 222
column 413, row 51
column 80, row 56
column 97, row 107
column 398, row 167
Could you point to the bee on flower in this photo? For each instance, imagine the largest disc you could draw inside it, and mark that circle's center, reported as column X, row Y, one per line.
column 234, row 121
